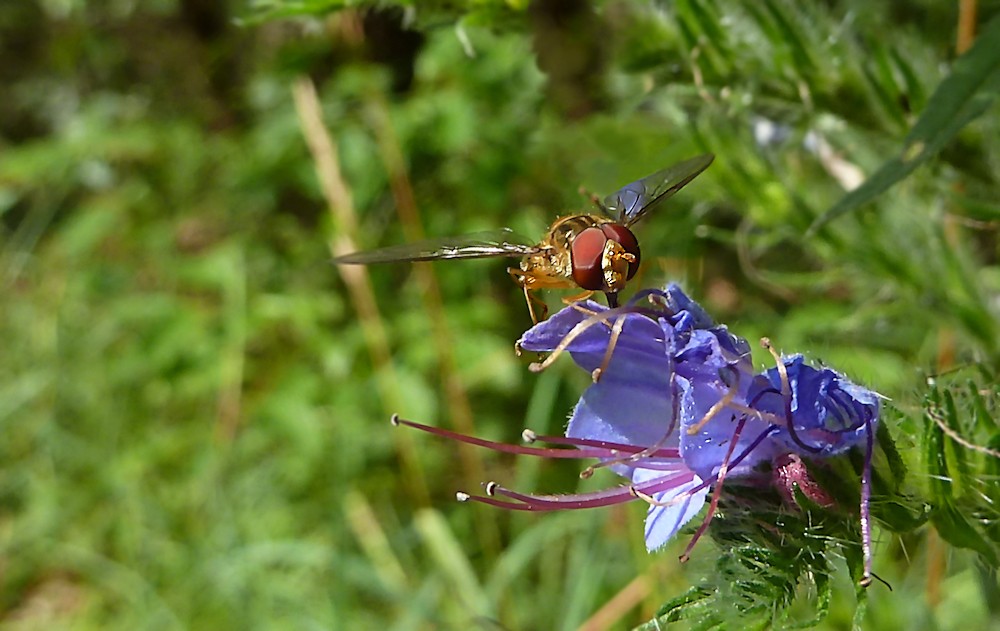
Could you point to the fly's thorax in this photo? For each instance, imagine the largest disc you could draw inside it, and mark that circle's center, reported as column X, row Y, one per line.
column 549, row 261
column 566, row 228
column 555, row 257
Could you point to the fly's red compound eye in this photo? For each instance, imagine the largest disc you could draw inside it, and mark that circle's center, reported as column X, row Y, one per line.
column 624, row 237
column 587, row 250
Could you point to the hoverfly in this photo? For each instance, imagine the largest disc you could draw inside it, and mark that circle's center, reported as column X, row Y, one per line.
column 589, row 251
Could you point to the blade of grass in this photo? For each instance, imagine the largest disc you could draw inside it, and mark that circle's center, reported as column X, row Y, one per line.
column 371, row 537
column 965, row 94
column 950, row 522
column 611, row 613
column 229, row 405
column 456, row 398
column 451, row 561
column 339, row 199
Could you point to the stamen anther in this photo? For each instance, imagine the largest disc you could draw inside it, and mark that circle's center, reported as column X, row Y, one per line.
column 394, row 420
column 462, row 497
column 529, row 436
column 491, row 488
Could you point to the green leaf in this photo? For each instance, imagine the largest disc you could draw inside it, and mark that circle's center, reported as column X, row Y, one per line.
column 984, row 421
column 964, row 95
column 958, row 464
column 897, row 467
column 695, row 602
column 949, row 521
column 954, row 528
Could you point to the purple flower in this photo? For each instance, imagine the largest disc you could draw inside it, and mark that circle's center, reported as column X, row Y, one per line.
column 670, row 366
column 825, row 415
column 828, row 413
column 675, row 409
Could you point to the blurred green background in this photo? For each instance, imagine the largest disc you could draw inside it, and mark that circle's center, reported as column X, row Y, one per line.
column 195, row 403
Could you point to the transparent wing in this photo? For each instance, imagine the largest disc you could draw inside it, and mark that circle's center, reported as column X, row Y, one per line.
column 633, row 201
column 503, row 242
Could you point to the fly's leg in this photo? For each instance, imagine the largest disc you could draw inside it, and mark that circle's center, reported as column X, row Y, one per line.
column 530, row 298
column 568, row 300
column 594, row 199
column 530, row 281
column 616, row 332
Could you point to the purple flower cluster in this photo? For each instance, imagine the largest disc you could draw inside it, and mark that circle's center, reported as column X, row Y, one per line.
column 675, row 408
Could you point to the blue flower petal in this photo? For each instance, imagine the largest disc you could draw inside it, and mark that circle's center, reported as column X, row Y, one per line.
column 704, row 352
column 690, row 313
column 663, row 522
column 631, row 406
column 548, row 334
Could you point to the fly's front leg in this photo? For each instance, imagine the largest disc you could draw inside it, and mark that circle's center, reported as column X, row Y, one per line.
column 568, row 300
column 594, row 199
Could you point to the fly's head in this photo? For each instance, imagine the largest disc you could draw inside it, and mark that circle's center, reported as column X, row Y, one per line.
column 616, row 265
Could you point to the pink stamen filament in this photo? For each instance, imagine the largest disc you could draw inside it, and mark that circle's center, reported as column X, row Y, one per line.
column 716, row 492
column 617, row 495
column 666, row 452
column 866, row 492
column 596, row 499
column 530, row 436
column 707, row 483
column 585, row 448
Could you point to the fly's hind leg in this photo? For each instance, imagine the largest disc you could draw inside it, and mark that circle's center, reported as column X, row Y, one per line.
column 530, row 298
column 530, row 281
column 526, row 281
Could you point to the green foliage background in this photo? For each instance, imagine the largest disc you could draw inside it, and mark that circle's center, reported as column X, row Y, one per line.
column 195, row 414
